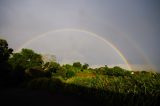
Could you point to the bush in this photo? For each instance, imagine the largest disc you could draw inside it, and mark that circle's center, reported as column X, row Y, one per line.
column 77, row 64
column 53, row 67
column 85, row 66
column 70, row 73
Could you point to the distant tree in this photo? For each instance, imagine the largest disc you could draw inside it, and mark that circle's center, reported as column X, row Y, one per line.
column 5, row 52
column 77, row 64
column 100, row 70
column 118, row 71
column 109, row 71
column 25, row 59
column 115, row 71
column 85, row 66
column 67, row 66
column 106, row 67
column 52, row 67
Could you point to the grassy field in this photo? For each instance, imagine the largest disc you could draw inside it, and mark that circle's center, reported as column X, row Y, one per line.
column 140, row 88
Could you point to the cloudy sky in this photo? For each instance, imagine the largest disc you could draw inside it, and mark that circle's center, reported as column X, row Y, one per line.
column 132, row 26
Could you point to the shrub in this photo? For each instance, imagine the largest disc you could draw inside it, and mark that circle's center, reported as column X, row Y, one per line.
column 77, row 64
column 53, row 67
column 85, row 66
column 70, row 73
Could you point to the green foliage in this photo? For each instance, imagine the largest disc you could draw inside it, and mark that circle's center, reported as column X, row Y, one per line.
column 25, row 59
column 5, row 68
column 115, row 71
column 5, row 52
column 77, row 64
column 70, row 73
column 65, row 71
column 85, row 66
column 67, row 66
column 100, row 71
column 62, row 72
column 52, row 67
column 109, row 85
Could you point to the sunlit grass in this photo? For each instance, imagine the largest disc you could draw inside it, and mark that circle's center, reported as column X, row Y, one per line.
column 85, row 75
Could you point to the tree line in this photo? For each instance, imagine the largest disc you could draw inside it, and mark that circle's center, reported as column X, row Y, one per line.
column 107, row 85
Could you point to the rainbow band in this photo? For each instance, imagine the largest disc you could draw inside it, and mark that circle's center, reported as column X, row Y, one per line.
column 82, row 31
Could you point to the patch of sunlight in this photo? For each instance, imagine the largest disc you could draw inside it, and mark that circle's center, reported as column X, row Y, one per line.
column 85, row 75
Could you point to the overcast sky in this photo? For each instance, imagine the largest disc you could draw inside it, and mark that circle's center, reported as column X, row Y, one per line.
column 131, row 25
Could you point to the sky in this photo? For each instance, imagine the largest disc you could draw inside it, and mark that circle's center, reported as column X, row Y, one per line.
column 132, row 26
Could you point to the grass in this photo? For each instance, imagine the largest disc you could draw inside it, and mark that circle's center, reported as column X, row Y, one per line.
column 132, row 90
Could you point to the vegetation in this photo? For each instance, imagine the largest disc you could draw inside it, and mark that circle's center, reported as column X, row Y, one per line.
column 107, row 86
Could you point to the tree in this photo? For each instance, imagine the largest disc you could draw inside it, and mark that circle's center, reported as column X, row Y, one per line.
column 85, row 66
column 5, row 52
column 77, row 64
column 25, row 59
column 5, row 69
column 115, row 71
column 67, row 66
column 53, row 67
column 118, row 71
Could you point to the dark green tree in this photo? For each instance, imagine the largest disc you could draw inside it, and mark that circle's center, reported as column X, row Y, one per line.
column 77, row 64
column 5, row 52
column 5, row 68
column 67, row 66
column 85, row 66
column 52, row 67
column 115, row 71
column 118, row 71
column 25, row 59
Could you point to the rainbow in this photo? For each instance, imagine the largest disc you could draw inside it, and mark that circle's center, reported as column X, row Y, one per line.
column 82, row 31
